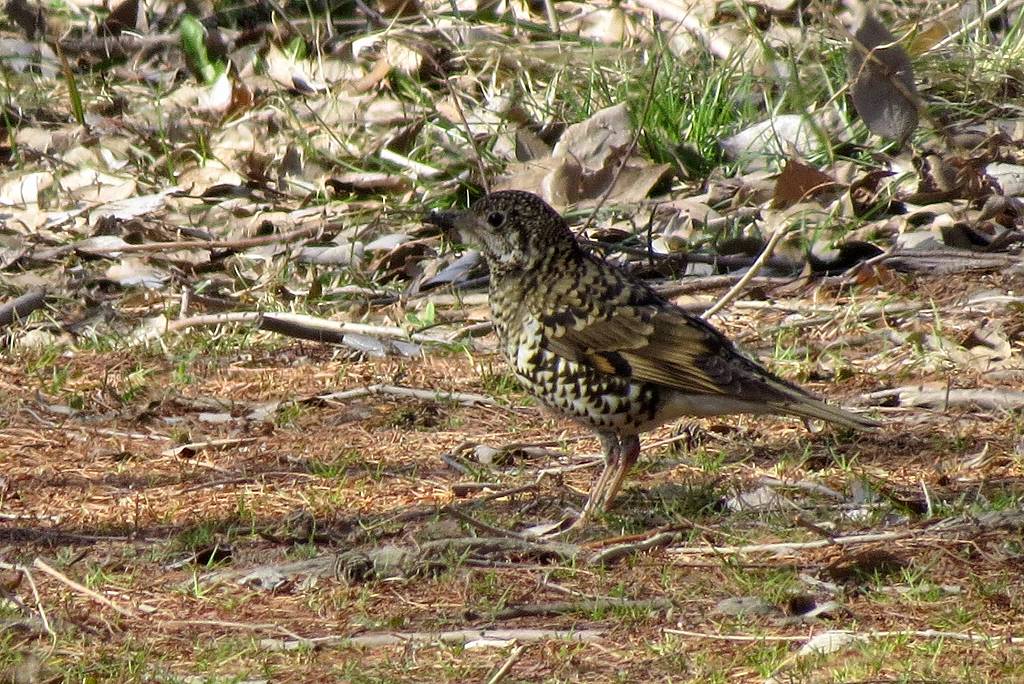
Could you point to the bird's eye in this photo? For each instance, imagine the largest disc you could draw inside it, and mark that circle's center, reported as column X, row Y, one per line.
column 495, row 219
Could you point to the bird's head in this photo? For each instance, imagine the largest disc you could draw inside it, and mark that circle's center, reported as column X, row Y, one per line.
column 514, row 230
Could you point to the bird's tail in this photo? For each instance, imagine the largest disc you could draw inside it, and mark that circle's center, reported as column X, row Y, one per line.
column 807, row 406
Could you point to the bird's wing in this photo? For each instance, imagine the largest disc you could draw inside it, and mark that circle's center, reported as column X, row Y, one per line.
column 649, row 340
column 624, row 329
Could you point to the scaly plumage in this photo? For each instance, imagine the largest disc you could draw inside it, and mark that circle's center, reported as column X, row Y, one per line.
column 592, row 341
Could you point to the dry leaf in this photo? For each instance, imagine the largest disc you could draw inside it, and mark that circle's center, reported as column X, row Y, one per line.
column 585, row 161
column 24, row 190
column 129, row 15
column 798, row 182
column 883, row 81
column 609, row 26
column 800, row 134
column 830, row 642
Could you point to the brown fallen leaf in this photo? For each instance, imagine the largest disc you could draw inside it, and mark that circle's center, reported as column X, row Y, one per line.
column 592, row 158
column 128, row 15
column 883, row 89
column 799, row 182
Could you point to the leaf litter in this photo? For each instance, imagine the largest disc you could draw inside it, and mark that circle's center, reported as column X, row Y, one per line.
column 230, row 343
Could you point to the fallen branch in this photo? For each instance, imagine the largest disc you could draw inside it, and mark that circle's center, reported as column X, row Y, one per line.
column 248, row 626
column 481, row 525
column 942, row 399
column 85, row 591
column 792, row 546
column 465, row 398
column 294, row 325
column 117, row 47
column 940, row 262
column 498, row 545
column 392, row 561
column 223, row 245
column 507, row 665
column 735, row 290
column 497, row 637
column 21, row 307
column 583, row 606
column 993, row 520
column 692, row 284
column 881, row 634
column 616, row 553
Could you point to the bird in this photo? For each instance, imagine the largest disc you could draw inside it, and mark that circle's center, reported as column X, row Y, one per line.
column 593, row 342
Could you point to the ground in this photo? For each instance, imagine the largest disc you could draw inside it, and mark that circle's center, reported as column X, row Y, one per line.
column 96, row 484
column 252, row 422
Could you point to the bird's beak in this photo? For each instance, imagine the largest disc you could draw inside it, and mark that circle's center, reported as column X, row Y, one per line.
column 455, row 223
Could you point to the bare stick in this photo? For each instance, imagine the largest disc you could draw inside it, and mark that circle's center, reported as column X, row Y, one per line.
column 27, row 574
column 21, row 307
column 249, row 626
column 85, row 591
column 465, row 398
column 582, row 606
column 971, row 25
column 913, row 633
column 296, row 325
column 481, row 525
column 507, row 665
column 744, row 638
column 735, row 290
column 619, row 551
column 243, row 243
column 792, row 546
column 499, row 636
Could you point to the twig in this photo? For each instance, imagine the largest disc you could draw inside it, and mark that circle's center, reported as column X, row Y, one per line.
column 913, row 633
column 35, row 535
column 21, row 307
column 117, row 47
column 734, row 291
column 745, row 638
column 628, row 154
column 64, row 579
column 507, row 665
column 208, row 444
column 971, row 25
column 500, row 637
column 250, row 479
column 584, row 606
column 27, row 574
column 421, row 170
column 492, row 545
column 615, row 553
column 295, row 325
column 465, row 398
column 976, row 399
column 503, row 493
column 251, row 626
column 241, row 243
column 481, row 525
column 792, row 546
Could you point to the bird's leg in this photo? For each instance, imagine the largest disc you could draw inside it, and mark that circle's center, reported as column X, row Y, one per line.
column 595, row 501
column 628, row 452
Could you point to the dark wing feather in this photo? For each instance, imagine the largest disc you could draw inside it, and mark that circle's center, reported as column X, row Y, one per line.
column 652, row 345
column 628, row 330
column 625, row 329
column 631, row 332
